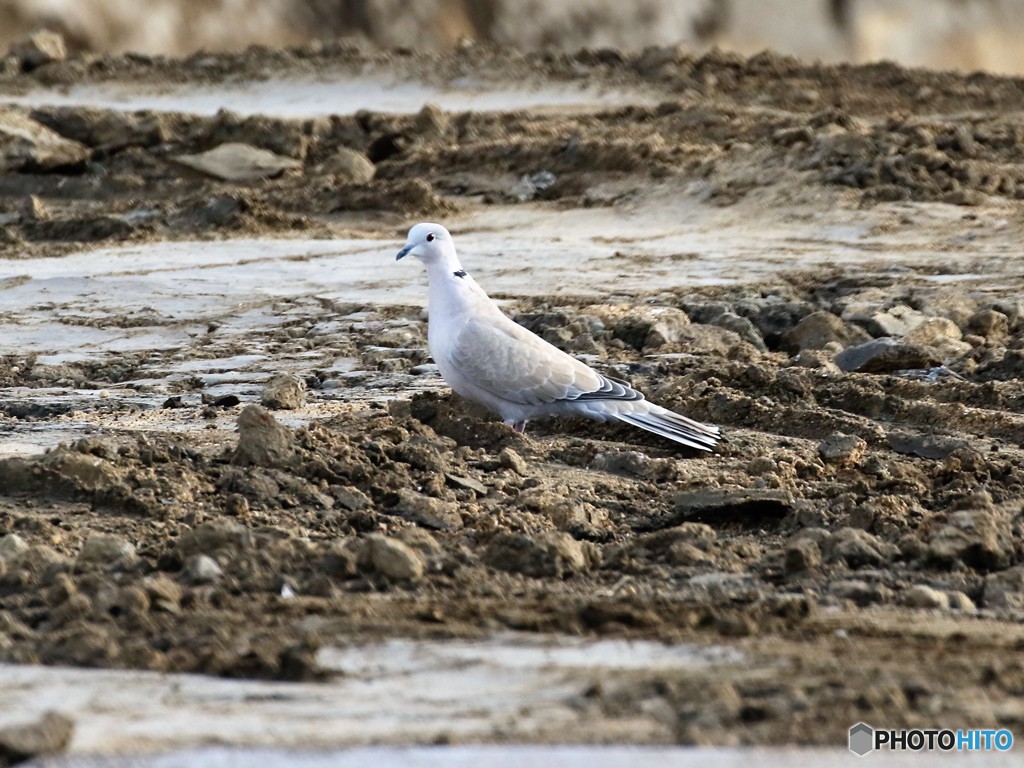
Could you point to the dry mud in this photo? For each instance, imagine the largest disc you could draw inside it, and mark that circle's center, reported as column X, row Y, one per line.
column 857, row 537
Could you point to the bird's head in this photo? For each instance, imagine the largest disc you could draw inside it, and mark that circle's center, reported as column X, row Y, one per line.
column 430, row 243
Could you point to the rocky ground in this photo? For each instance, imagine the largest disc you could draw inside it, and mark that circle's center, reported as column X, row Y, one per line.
column 859, row 531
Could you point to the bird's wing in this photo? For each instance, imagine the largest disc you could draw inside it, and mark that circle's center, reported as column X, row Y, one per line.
column 510, row 362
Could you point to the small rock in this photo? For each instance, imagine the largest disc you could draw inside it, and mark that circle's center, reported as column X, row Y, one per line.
column 349, row 166
column 646, row 328
column 942, row 335
column 967, row 197
column 427, row 511
column 858, row 548
column 41, row 47
column 860, row 592
column 201, row 569
column 393, row 559
column 958, row 601
column 981, row 538
column 106, row 549
column 885, row 355
column 85, row 471
column 284, row 391
column 993, row 325
column 431, row 122
column 29, row 146
column 47, row 736
column 819, row 329
column 923, row 596
column 509, row 459
column 548, row 554
column 164, row 593
column 238, row 162
column 622, row 462
column 261, row 440
column 802, row 554
column 34, row 209
column 461, row 481
column 926, row 446
column 688, row 555
column 842, row 450
column 12, row 546
column 1005, row 589
column 215, row 535
column 898, row 320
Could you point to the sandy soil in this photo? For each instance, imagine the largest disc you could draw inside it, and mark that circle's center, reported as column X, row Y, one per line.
column 857, row 537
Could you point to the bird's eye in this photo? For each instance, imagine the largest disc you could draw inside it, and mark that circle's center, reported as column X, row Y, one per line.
column 430, row 237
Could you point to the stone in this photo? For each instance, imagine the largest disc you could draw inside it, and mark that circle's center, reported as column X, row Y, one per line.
column 201, row 569
column 801, row 555
column 427, row 511
column 285, row 392
column 12, row 546
column 262, row 440
column 923, row 596
column 885, row 355
column 991, row 324
column 349, row 166
column 41, row 47
column 940, row 334
column 858, row 548
column 544, row 555
column 34, row 209
column 215, row 535
column 860, row 592
column 163, row 592
column 431, row 122
column 238, row 162
column 646, row 328
column 958, row 601
column 106, row 549
column 48, row 735
column 1005, row 589
column 393, row 559
column 842, row 450
column 84, row 471
column 510, row 459
column 926, row 446
column 897, row 320
column 981, row 538
column 30, row 147
column 819, row 329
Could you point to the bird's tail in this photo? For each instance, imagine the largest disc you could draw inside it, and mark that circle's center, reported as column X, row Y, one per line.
column 668, row 424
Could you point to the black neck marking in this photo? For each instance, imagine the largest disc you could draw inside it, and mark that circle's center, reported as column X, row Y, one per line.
column 460, row 273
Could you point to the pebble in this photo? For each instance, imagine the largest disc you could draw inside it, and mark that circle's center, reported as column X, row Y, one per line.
column 923, row 596
column 106, row 549
column 285, row 392
column 349, row 166
column 262, row 440
column 1005, row 589
column 801, row 555
column 393, row 559
column 12, row 546
column 43, row 46
column 48, row 735
column 427, row 511
column 510, row 459
column 201, row 569
column 237, row 162
column 548, row 554
column 885, row 355
column 842, row 450
column 819, row 329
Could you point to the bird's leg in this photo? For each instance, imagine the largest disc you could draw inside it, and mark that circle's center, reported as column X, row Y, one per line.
column 519, row 427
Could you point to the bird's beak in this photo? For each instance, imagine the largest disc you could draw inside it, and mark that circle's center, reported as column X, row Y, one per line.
column 404, row 252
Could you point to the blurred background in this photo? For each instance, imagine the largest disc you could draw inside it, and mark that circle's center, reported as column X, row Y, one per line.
column 945, row 34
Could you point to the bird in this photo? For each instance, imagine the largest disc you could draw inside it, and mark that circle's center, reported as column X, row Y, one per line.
column 486, row 357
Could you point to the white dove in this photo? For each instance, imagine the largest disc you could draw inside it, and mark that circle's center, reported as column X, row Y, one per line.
column 486, row 357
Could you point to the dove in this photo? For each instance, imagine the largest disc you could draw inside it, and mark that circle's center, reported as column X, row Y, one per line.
column 485, row 356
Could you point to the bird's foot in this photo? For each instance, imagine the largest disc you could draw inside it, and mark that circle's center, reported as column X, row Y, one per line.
column 519, row 427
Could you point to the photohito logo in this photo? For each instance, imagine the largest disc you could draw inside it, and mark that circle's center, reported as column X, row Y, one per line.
column 865, row 739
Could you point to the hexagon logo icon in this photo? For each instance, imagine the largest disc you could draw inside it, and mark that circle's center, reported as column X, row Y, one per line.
column 862, row 739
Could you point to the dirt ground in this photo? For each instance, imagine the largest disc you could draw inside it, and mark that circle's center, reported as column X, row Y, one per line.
column 858, row 534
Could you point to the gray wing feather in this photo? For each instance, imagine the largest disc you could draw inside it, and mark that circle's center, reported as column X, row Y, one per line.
column 514, row 364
